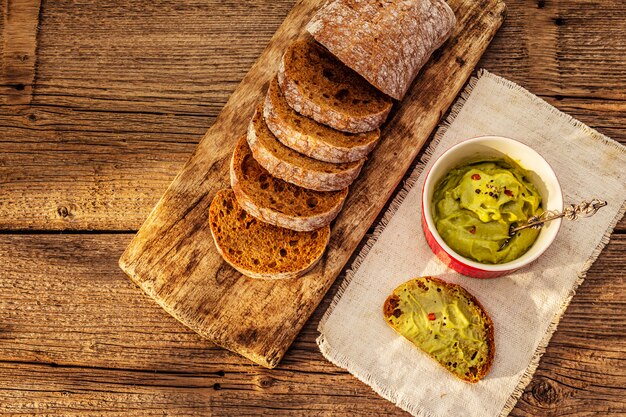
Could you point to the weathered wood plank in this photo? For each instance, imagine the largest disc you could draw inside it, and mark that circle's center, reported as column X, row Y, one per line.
column 20, row 21
column 185, row 58
column 77, row 336
column 165, row 57
column 93, row 171
column 571, row 48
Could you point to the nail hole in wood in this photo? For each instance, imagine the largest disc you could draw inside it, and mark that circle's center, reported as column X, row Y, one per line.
column 559, row 21
column 19, row 87
column 63, row 211
column 220, row 373
column 217, row 386
column 541, row 4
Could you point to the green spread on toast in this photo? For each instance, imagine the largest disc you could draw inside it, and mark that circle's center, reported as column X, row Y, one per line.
column 443, row 323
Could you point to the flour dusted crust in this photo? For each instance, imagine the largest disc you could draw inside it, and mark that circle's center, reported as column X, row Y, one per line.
column 311, row 138
column 385, row 41
column 285, row 163
column 302, row 79
column 278, row 202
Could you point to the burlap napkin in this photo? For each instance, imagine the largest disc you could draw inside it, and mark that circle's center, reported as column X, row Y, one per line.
column 525, row 306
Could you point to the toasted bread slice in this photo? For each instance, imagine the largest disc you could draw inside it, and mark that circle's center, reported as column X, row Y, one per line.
column 319, row 86
column 311, row 138
column 446, row 322
column 278, row 202
column 285, row 163
column 261, row 250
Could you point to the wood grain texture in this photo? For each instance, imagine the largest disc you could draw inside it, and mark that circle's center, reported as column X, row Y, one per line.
column 20, row 21
column 96, row 343
column 113, row 118
column 173, row 258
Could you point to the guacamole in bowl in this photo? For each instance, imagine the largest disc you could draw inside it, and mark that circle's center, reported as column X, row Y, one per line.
column 475, row 205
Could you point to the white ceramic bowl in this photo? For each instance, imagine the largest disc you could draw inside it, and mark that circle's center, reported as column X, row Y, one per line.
column 541, row 175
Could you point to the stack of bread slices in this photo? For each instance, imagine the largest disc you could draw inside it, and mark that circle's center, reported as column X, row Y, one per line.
column 305, row 145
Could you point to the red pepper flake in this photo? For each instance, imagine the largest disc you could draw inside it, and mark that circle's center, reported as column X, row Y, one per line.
column 431, row 316
column 509, row 193
column 476, row 176
column 472, row 230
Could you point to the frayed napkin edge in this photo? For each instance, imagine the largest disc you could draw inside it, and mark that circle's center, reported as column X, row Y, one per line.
column 402, row 401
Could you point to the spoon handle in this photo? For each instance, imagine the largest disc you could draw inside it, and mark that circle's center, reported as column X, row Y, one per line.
column 571, row 212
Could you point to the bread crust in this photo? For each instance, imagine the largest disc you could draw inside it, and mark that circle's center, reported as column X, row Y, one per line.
column 390, row 304
column 310, row 144
column 260, row 272
column 298, row 174
column 255, row 208
column 387, row 43
column 300, row 102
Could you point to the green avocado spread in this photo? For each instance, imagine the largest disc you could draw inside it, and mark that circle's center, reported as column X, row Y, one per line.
column 441, row 322
column 476, row 203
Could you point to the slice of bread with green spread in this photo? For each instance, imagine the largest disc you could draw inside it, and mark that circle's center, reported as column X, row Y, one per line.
column 319, row 86
column 310, row 138
column 278, row 202
column 285, row 163
column 258, row 249
column 446, row 322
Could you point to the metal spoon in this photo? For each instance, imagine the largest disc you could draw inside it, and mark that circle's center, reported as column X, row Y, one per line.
column 571, row 212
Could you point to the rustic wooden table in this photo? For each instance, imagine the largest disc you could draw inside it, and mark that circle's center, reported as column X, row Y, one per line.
column 102, row 103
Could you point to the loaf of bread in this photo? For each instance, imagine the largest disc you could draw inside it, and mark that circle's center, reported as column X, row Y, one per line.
column 319, row 86
column 278, row 202
column 285, row 163
column 261, row 250
column 387, row 42
column 311, row 138
column 446, row 322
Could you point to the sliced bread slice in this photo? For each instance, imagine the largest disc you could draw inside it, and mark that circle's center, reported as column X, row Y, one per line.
column 446, row 322
column 311, row 138
column 318, row 85
column 261, row 250
column 285, row 163
column 278, row 202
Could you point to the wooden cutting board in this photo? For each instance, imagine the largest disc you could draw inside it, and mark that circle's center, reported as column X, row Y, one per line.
column 173, row 258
